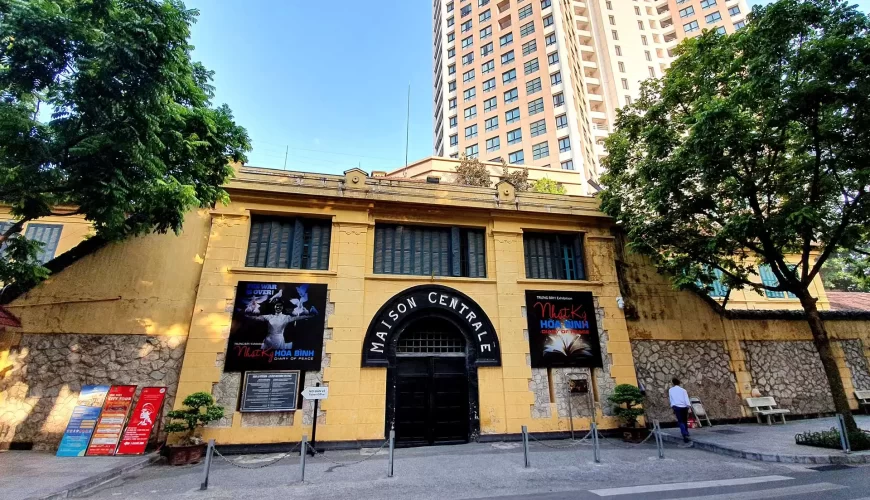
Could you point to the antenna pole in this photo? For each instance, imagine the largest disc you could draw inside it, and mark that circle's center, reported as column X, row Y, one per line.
column 407, row 130
column 285, row 156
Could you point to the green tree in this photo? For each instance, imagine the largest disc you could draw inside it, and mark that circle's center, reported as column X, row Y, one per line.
column 847, row 271
column 104, row 114
column 470, row 172
column 547, row 185
column 753, row 146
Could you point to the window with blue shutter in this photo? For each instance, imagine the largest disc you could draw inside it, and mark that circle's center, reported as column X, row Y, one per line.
column 769, row 279
column 49, row 235
column 554, row 256
column 719, row 288
column 430, row 251
column 290, row 243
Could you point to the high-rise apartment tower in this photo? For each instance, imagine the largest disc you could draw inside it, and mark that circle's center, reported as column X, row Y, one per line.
column 538, row 82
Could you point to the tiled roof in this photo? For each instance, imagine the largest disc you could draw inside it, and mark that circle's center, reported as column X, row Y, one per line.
column 849, row 301
column 8, row 319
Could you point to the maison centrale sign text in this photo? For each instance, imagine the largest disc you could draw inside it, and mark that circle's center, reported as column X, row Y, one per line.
column 423, row 301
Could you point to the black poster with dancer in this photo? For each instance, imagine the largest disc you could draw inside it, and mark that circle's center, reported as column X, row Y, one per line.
column 562, row 329
column 276, row 326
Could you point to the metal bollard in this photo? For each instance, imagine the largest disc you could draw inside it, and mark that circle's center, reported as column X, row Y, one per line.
column 844, row 435
column 208, row 454
column 660, row 444
column 526, row 447
column 392, row 447
column 304, row 452
column 596, row 453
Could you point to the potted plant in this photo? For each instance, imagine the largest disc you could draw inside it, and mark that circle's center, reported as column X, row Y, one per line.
column 624, row 402
column 199, row 410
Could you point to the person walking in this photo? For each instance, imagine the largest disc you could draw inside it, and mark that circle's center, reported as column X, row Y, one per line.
column 680, row 403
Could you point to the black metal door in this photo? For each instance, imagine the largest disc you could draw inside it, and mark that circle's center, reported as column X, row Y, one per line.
column 431, row 400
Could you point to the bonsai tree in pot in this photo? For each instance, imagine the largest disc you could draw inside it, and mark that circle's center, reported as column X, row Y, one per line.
column 625, row 402
column 200, row 409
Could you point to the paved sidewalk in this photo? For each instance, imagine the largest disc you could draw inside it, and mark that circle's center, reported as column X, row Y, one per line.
column 33, row 474
column 772, row 443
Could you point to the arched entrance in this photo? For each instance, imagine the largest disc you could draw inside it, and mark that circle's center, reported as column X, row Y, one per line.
column 431, row 339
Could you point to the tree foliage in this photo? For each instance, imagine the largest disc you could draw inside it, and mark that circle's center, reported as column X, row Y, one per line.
column 199, row 410
column 518, row 177
column 753, row 148
column 547, row 185
column 625, row 402
column 848, row 271
column 103, row 111
column 470, row 172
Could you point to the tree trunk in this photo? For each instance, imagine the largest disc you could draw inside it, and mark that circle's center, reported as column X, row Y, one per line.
column 823, row 346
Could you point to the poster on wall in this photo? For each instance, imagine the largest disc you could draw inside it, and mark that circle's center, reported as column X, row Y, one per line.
column 276, row 326
column 145, row 415
column 111, row 422
column 562, row 329
column 82, row 421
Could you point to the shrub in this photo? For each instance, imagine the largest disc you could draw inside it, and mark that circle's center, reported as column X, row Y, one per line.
column 858, row 441
column 200, row 410
column 623, row 402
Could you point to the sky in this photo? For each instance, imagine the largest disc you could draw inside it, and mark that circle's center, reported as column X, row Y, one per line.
column 328, row 87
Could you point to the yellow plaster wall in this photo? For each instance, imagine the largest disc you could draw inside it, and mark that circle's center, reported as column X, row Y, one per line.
column 75, row 228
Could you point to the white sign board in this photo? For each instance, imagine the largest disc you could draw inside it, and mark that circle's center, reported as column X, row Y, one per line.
column 315, row 392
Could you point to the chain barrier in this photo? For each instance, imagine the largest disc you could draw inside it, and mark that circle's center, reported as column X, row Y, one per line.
column 258, row 466
column 571, row 443
column 321, row 454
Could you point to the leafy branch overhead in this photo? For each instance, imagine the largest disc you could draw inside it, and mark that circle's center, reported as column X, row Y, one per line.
column 102, row 110
column 753, row 149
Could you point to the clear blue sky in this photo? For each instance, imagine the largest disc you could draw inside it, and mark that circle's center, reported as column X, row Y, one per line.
column 330, row 83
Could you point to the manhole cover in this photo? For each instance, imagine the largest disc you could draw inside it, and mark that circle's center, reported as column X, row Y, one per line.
column 825, row 468
column 726, row 431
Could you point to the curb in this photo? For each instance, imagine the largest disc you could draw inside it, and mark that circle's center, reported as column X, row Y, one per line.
column 851, row 459
column 98, row 479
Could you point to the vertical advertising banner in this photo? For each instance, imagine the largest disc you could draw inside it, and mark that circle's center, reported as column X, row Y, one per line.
column 562, row 329
column 112, row 420
column 145, row 415
column 82, row 422
column 276, row 326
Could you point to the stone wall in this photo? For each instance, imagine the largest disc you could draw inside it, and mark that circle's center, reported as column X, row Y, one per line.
column 792, row 373
column 703, row 367
column 48, row 371
column 853, row 350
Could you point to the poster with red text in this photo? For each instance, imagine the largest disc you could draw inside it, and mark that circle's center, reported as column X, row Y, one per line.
column 142, row 421
column 111, row 422
column 563, row 330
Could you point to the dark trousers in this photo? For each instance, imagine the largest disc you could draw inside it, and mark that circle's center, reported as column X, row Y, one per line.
column 682, row 414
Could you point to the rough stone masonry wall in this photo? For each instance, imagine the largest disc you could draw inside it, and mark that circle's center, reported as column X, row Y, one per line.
column 858, row 365
column 703, row 367
column 48, row 371
column 792, row 373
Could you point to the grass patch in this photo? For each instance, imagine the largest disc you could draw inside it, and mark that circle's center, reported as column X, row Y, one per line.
column 858, row 441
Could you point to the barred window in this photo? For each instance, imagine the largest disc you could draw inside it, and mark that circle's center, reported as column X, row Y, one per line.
column 430, row 251
column 556, row 256
column 286, row 242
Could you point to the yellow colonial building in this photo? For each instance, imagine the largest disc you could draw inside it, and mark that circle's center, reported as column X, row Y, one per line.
column 448, row 313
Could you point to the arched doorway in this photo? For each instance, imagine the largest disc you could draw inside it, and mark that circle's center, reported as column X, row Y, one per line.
column 431, row 384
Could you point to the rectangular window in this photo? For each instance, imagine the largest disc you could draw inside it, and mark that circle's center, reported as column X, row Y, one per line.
column 511, row 96
column 491, row 124
column 471, row 151
column 470, row 112
column 465, row 11
column 290, row 243
column 707, row 3
column 468, row 76
column 687, row 12
column 611, row 20
column 451, row 69
column 545, row 4
column 548, row 21
column 507, row 57
column 713, row 17
column 450, row 21
column 515, row 136
column 468, row 58
column 430, row 251
column 652, row 71
column 467, row 42
column 720, row 30
column 490, row 104
column 47, row 234
column 556, row 78
column 625, row 83
column 719, row 288
column 621, row 66
column 493, row 144
column 453, row 122
column 466, row 26
column 451, row 103
column 484, row 16
column 451, row 86
column 471, row 132
column 561, row 121
column 541, row 150
column 533, row 86
column 536, row 106
column 538, row 128
column 512, row 116
column 454, row 140
column 733, row 11
column 531, row 66
column 481, row 3
column 568, row 165
column 451, row 53
column 529, row 47
column 614, row 34
column 643, row 39
column 486, row 33
column 769, row 279
column 554, row 256
column 628, row 100
column 489, row 85
column 640, row 25
column 486, row 50
column 527, row 29
column 487, row 67
column 558, row 99
column 690, row 27
column 648, row 55
column 450, row 7
column 468, row 94
column 451, row 36
column 550, row 39
column 516, row 158
column 564, row 145
column 739, row 24
column 506, row 39
column 553, row 58
column 618, row 50
column 525, row 11
column 509, row 76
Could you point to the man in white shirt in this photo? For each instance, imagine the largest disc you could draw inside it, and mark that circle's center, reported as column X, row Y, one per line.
column 679, row 399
